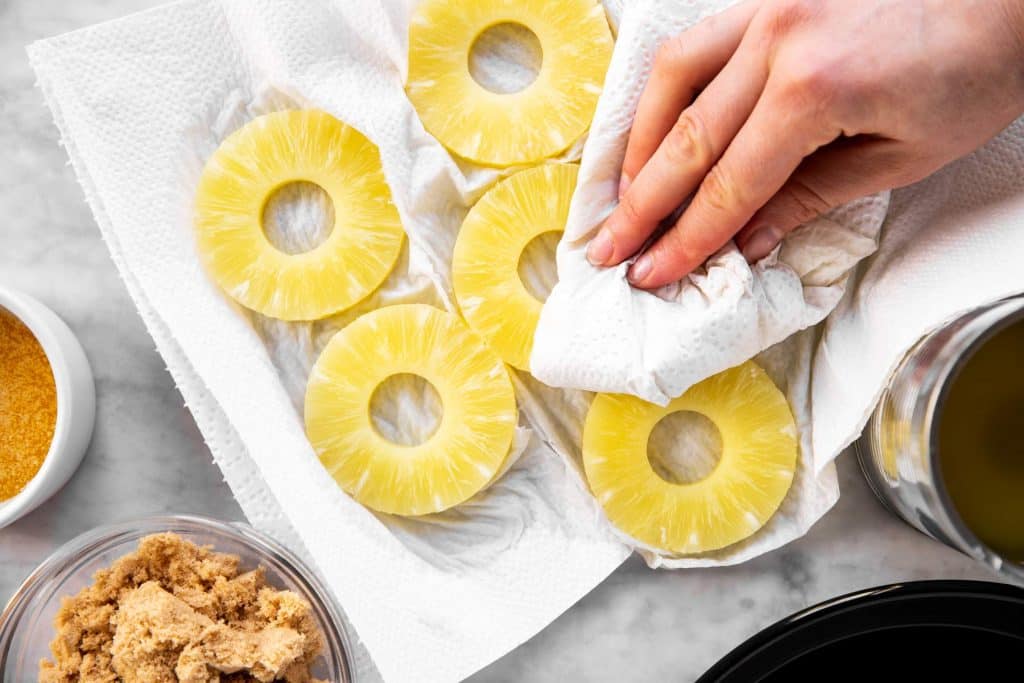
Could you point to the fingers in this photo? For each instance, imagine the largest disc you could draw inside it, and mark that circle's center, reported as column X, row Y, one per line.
column 683, row 66
column 830, row 177
column 757, row 163
column 697, row 139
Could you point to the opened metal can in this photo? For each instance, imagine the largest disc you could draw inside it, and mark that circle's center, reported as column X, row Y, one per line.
column 901, row 449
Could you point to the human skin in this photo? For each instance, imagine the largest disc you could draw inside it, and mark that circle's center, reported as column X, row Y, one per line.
column 775, row 111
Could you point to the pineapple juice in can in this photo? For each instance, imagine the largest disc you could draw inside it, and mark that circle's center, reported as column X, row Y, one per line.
column 943, row 448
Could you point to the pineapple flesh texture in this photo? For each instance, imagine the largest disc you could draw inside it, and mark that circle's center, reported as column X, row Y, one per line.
column 471, row 443
column 758, row 460
column 491, row 296
column 506, row 129
column 249, row 166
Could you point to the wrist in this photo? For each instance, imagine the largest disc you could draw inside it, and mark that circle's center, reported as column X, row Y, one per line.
column 1012, row 12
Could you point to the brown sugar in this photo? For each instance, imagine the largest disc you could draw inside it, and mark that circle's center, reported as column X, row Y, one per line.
column 176, row 612
column 28, row 405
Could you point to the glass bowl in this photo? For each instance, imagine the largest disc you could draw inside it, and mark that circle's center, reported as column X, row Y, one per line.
column 26, row 625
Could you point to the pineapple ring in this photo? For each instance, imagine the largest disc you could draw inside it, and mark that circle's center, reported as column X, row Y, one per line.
column 485, row 265
column 249, row 166
column 505, row 129
column 469, row 447
column 759, row 452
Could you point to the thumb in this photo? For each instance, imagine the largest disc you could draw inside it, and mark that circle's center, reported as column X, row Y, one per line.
column 833, row 175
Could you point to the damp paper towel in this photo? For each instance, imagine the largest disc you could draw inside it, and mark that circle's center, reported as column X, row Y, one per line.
column 142, row 102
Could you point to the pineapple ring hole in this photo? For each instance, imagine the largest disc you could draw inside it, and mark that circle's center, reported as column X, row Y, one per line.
column 298, row 217
column 537, row 265
column 406, row 409
column 684, row 447
column 506, row 58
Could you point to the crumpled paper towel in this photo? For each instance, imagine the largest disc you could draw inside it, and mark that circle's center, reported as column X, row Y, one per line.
column 949, row 243
column 140, row 103
column 598, row 333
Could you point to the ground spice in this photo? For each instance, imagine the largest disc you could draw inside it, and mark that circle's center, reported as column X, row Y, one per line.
column 28, row 405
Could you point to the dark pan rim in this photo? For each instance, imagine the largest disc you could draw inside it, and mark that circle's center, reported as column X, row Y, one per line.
column 788, row 639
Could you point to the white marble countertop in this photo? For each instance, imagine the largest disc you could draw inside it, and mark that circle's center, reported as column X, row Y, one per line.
column 147, row 456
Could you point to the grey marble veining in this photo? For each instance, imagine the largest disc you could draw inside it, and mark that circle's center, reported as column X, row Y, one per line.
column 147, row 456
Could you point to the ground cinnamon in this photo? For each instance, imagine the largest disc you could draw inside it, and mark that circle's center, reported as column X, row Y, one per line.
column 28, row 405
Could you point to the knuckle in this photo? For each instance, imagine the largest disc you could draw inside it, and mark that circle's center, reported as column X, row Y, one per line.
column 671, row 54
column 811, row 82
column 719, row 192
column 691, row 242
column 631, row 211
column 815, row 90
column 806, row 202
column 688, row 142
column 678, row 247
column 670, row 254
column 784, row 16
column 690, row 246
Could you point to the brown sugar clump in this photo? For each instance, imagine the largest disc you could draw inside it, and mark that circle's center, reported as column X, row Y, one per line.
column 28, row 405
column 173, row 611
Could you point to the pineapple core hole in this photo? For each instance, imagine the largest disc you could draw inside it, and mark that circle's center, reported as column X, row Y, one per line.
column 298, row 217
column 406, row 409
column 684, row 447
column 537, row 264
column 506, row 58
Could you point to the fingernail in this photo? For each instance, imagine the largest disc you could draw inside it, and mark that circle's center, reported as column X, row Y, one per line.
column 600, row 248
column 624, row 182
column 640, row 270
column 761, row 243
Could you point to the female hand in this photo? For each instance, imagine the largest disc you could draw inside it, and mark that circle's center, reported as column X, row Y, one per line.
column 775, row 111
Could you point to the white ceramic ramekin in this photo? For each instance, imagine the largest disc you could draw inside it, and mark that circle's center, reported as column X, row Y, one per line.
column 76, row 403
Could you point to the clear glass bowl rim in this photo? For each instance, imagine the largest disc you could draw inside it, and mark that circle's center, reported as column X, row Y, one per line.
column 324, row 607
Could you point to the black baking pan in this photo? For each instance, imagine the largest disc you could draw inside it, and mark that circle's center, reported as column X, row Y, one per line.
column 918, row 631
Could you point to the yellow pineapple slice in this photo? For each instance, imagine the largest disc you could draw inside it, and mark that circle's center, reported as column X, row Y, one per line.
column 758, row 459
column 249, row 166
column 485, row 274
column 475, row 434
column 504, row 129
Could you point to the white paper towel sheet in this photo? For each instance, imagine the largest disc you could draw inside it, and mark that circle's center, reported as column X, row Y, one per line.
column 141, row 102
